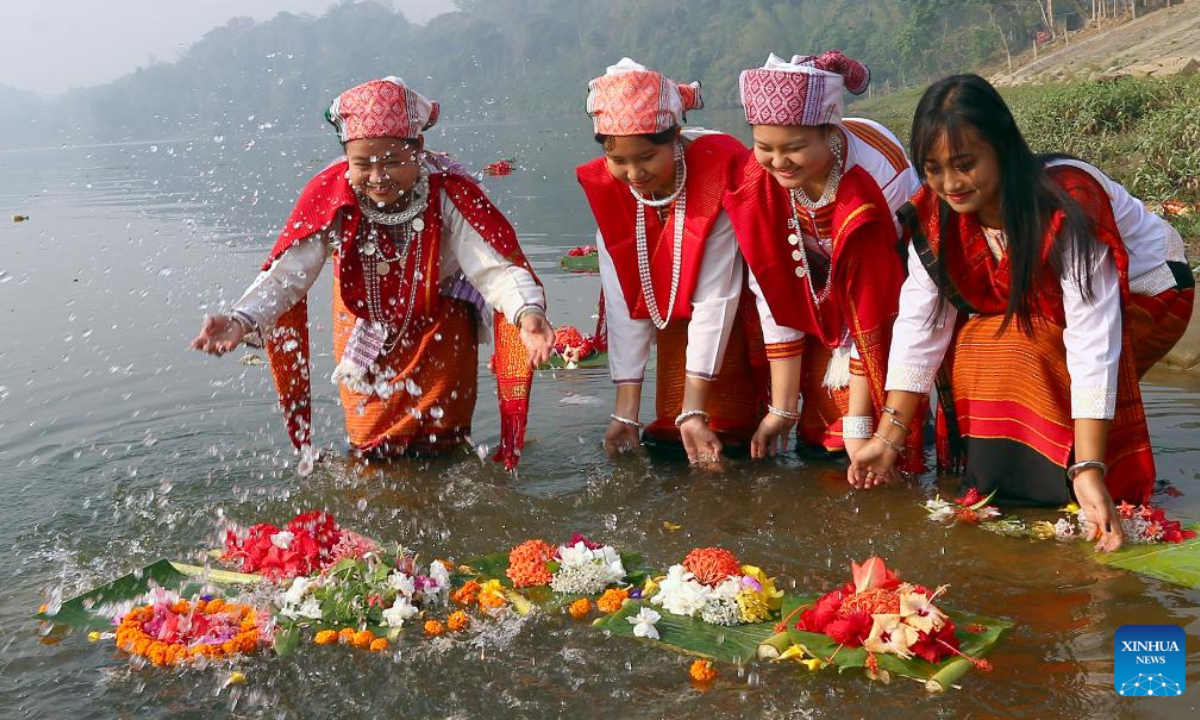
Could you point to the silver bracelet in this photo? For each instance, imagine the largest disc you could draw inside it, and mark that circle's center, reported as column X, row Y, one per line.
column 857, row 427
column 1079, row 467
column 525, row 310
column 898, row 448
column 626, row 421
column 686, row 414
column 785, row 414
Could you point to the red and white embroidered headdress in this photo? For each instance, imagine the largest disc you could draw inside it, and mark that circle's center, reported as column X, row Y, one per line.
column 381, row 108
column 806, row 91
column 631, row 100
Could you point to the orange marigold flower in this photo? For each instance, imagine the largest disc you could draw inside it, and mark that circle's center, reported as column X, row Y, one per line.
column 612, row 600
column 363, row 638
column 326, row 637
column 703, row 671
column 491, row 601
column 182, row 607
column 379, row 645
column 527, row 563
column 580, row 608
column 711, row 565
column 433, row 628
column 458, row 620
column 215, row 605
column 872, row 602
column 468, row 594
column 346, row 635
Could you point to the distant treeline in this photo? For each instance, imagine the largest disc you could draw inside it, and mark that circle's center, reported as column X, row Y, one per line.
column 509, row 59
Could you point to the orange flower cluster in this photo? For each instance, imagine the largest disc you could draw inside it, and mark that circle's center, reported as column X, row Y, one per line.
column 703, row 671
column 527, row 563
column 458, row 621
column 612, row 600
column 468, row 594
column 580, row 608
column 492, row 600
column 433, row 628
column 363, row 639
column 132, row 638
column 872, row 602
column 712, row 565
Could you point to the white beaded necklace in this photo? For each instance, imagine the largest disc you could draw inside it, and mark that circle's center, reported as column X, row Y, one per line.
column 679, row 197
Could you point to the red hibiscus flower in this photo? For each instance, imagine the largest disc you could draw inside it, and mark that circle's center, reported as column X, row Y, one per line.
column 850, row 630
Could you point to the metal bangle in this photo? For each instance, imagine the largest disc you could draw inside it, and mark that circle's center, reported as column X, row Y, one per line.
column 1074, row 470
column 857, row 427
column 626, row 421
column 892, row 419
column 785, row 414
column 898, row 448
column 686, row 414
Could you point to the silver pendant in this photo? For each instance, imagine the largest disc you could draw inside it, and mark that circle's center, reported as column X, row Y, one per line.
column 796, row 255
column 794, row 239
column 418, row 224
column 801, row 271
column 369, row 248
column 382, row 268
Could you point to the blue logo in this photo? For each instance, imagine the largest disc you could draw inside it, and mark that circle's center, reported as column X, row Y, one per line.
column 1149, row 660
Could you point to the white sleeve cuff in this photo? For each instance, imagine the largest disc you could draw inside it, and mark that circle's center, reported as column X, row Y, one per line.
column 1093, row 403
column 910, row 377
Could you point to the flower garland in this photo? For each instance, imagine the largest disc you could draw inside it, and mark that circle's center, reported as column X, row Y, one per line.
column 583, row 251
column 309, row 543
column 173, row 631
column 711, row 584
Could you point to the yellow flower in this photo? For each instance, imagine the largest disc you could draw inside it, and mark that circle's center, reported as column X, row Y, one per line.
column 918, row 610
column 1042, row 530
column 1071, row 508
column 890, row 635
column 772, row 597
column 650, row 588
column 753, row 606
column 814, row 664
column 794, row 652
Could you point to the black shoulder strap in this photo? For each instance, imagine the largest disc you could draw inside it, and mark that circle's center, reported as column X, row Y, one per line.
column 933, row 264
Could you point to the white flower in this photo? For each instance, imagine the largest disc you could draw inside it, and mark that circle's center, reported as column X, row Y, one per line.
column 728, row 588
column 400, row 611
column 299, row 588
column 721, row 610
column 310, row 608
column 586, row 579
column 283, row 539
column 939, row 509
column 643, row 623
column 402, row 583
column 580, row 554
column 679, row 592
column 1063, row 529
column 440, row 575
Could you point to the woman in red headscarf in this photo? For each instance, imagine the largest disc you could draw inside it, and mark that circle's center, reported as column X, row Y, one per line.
column 419, row 253
column 669, row 267
column 814, row 215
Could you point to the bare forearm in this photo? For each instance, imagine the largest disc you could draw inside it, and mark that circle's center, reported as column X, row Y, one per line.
column 860, row 397
column 695, row 393
column 785, row 382
column 629, row 400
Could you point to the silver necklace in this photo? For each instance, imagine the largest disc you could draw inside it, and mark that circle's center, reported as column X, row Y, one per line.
column 679, row 197
column 410, row 214
column 831, row 184
column 800, row 254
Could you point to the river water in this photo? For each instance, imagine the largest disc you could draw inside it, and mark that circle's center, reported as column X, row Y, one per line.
column 118, row 446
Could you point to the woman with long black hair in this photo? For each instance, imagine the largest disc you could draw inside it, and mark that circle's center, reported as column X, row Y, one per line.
column 1038, row 292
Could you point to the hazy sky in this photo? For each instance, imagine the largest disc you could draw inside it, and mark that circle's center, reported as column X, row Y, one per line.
column 52, row 45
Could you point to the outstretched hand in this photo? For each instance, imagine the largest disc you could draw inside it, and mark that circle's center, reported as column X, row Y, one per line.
column 1103, row 523
column 219, row 335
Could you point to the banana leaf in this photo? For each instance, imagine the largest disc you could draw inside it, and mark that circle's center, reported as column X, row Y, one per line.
column 937, row 677
column 1176, row 563
column 595, row 360
column 691, row 636
column 581, row 263
column 87, row 611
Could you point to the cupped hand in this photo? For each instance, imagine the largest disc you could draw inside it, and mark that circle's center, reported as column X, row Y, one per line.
column 771, row 438
column 219, row 335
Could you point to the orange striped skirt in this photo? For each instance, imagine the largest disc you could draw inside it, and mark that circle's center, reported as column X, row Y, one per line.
column 1012, row 396
column 434, row 388
column 737, row 397
column 822, row 408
